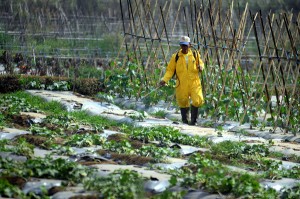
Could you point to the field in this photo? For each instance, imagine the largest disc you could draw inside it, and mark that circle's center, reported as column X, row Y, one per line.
column 82, row 114
column 97, row 149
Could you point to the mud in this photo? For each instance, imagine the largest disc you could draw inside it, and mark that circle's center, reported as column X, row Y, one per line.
column 136, row 144
column 125, row 159
column 55, row 190
column 40, row 141
column 15, row 180
column 22, row 121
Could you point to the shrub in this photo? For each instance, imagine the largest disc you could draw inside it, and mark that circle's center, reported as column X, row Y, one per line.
column 9, row 83
column 89, row 86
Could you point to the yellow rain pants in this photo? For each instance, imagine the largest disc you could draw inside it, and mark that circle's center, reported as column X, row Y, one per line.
column 188, row 83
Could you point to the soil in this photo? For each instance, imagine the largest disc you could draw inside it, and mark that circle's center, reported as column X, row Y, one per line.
column 112, row 159
column 39, row 141
column 118, row 137
column 85, row 197
column 55, row 190
column 15, row 180
column 22, row 121
column 88, row 163
column 90, row 160
column 127, row 159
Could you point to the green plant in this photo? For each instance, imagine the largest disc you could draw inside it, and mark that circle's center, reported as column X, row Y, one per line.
column 18, row 147
column 46, row 168
column 25, row 102
column 291, row 193
column 43, row 131
column 2, row 121
column 123, row 184
column 215, row 178
column 3, row 145
column 15, row 104
column 95, row 121
column 36, row 85
column 241, row 132
column 105, row 97
column 84, row 140
column 238, row 150
column 159, row 154
column 88, row 86
column 119, row 147
column 9, row 83
column 139, row 116
column 59, row 86
column 160, row 114
column 63, row 150
column 166, row 134
column 60, row 120
column 8, row 190
column 23, row 148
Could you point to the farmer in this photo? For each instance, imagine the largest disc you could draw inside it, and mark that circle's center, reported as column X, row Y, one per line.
column 186, row 64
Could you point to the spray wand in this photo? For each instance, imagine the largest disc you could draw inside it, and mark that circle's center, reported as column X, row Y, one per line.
column 151, row 92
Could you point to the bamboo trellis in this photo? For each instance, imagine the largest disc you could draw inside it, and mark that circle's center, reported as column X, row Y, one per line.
column 256, row 52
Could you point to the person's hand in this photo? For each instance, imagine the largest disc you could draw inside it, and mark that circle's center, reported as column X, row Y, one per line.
column 200, row 68
column 162, row 83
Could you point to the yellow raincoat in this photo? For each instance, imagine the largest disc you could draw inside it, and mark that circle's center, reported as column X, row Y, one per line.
column 188, row 83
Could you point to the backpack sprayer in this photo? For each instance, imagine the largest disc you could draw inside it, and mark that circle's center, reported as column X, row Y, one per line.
column 195, row 54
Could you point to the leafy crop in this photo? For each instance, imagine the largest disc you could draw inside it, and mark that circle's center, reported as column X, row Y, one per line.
column 159, row 154
column 14, row 105
column 18, row 147
column 215, row 178
column 8, row 190
column 45, row 168
column 121, row 184
column 84, row 140
column 166, row 135
column 205, row 171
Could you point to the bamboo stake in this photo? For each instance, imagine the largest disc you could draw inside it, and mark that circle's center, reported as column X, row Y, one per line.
column 279, row 62
column 295, row 53
column 260, row 67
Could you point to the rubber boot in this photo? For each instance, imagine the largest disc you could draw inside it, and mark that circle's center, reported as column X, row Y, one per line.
column 184, row 115
column 194, row 115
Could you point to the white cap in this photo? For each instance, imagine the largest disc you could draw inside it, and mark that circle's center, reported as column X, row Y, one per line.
column 184, row 40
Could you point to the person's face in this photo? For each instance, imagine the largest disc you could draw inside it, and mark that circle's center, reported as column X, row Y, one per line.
column 184, row 48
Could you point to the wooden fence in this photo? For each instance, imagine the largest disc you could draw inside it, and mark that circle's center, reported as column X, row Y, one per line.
column 254, row 55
